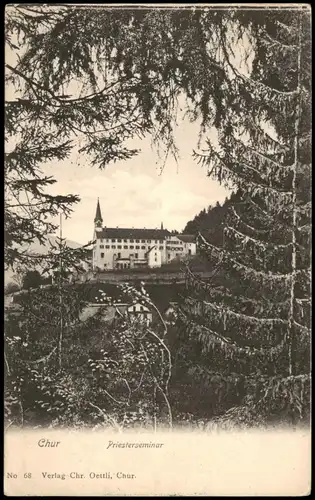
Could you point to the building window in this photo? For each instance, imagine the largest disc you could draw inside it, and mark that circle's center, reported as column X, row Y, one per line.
column 169, row 256
column 137, row 241
column 113, row 241
column 118, row 255
column 161, row 241
column 119, row 241
column 114, row 246
column 136, row 255
column 156, row 241
column 125, row 247
column 143, row 248
column 137, row 247
column 101, row 240
column 101, row 246
column 119, row 246
column 102, row 255
column 126, row 241
column 131, row 247
column 131, row 241
column 161, row 248
column 107, row 246
column 142, row 241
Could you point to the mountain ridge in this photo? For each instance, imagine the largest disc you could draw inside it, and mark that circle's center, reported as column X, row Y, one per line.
column 41, row 249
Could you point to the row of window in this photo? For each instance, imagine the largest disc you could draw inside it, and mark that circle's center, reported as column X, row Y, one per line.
column 136, row 255
column 176, row 249
column 113, row 240
column 126, row 247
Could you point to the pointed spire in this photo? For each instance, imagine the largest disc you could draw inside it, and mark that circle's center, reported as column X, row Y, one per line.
column 98, row 215
column 162, row 226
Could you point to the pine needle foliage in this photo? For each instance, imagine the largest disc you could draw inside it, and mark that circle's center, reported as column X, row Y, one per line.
column 256, row 325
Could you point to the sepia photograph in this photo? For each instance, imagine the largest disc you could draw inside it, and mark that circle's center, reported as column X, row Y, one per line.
column 157, row 246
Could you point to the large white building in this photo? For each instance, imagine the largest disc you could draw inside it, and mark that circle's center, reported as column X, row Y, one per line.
column 125, row 248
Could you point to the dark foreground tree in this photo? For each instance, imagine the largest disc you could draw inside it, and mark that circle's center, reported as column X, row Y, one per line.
column 251, row 330
column 32, row 279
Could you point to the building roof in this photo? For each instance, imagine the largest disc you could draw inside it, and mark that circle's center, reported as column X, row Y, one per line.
column 186, row 238
column 132, row 233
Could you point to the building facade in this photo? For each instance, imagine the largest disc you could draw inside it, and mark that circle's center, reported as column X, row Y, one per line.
column 127, row 248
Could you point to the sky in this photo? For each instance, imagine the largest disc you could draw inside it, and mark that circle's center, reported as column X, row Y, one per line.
column 135, row 193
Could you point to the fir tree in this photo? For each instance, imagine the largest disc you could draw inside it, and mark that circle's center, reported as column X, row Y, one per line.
column 251, row 331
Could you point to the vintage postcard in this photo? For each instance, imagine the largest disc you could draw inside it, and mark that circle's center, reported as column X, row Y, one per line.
column 157, row 293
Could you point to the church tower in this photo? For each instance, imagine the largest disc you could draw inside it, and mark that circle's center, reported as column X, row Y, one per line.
column 98, row 220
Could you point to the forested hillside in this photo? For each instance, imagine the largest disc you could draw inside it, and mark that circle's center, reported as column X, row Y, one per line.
column 210, row 221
